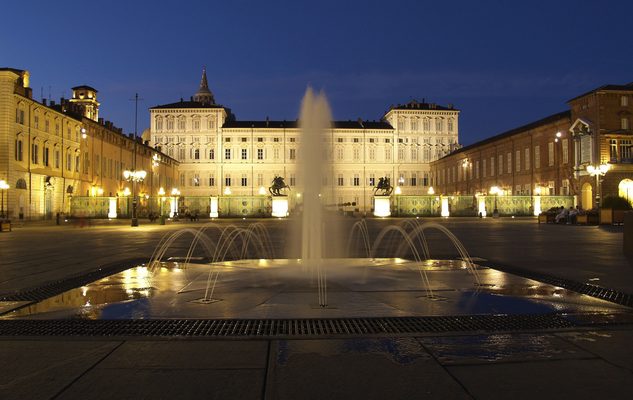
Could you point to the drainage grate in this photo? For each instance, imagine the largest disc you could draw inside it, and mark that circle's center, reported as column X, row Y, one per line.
column 598, row 292
column 282, row 327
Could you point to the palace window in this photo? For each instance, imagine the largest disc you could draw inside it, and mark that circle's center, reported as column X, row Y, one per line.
column 565, row 148
column 196, row 180
column 624, row 101
column 210, row 123
column 77, row 159
column 613, row 150
column 356, row 140
column 550, row 154
column 260, row 154
column 527, row 158
column 276, row 153
column 483, row 167
column 211, row 154
column 624, row 123
column 517, row 160
column 276, row 140
column 500, row 164
column 372, row 153
column 227, row 154
column 626, row 150
column 356, row 153
column 414, row 124
column 339, row 153
column 196, row 154
column 228, row 139
column 34, row 153
column 537, row 157
column 340, row 140
column 260, row 179
column 450, row 124
column 227, row 180
column 293, row 180
column 414, row 179
column 293, row 154
column 260, row 139
column 211, row 180
column 426, row 124
column 36, row 121
column 439, row 124
column 244, row 154
column 388, row 154
column 356, row 180
column 340, row 180
column 18, row 150
column 244, row 181
column 292, row 140
column 492, row 166
column 181, row 153
column 425, row 179
column 58, row 159
column 181, row 123
column 170, row 123
column 158, row 124
column 196, row 124
column 372, row 180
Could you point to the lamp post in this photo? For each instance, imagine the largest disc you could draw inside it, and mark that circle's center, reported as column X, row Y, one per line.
column 4, row 186
column 598, row 171
column 134, row 177
column 466, row 166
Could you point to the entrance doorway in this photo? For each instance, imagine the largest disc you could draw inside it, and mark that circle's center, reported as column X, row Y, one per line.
column 625, row 189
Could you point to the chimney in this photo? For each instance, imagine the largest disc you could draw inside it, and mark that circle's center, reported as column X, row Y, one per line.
column 52, row 103
column 100, row 121
column 267, row 121
column 44, row 101
column 360, row 122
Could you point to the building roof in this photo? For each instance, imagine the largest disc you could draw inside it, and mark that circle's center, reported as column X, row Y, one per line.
column 294, row 124
column 416, row 105
column 512, row 132
column 186, row 104
column 627, row 87
column 15, row 70
column 85, row 87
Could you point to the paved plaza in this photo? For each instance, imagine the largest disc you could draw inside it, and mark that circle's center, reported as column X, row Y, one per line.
column 589, row 362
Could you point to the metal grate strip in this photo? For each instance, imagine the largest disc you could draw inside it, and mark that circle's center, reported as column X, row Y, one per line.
column 284, row 327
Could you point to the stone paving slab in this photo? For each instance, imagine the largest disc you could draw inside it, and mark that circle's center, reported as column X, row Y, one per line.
column 500, row 348
column 39, row 369
column 588, row 379
column 387, row 368
column 201, row 384
column 616, row 347
column 181, row 354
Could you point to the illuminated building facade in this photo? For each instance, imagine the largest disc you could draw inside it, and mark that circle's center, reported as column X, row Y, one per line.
column 53, row 155
column 222, row 156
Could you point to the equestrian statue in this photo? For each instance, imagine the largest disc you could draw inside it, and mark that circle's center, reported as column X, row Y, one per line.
column 384, row 186
column 277, row 185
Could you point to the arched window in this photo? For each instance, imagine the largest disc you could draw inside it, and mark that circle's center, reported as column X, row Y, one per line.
column 19, row 148
column 158, row 123
column 20, row 184
column 181, row 123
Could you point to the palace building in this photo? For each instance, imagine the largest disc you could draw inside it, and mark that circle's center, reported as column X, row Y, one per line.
column 553, row 156
column 222, row 156
column 62, row 158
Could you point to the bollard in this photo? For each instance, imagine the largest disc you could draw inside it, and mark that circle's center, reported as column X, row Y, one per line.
column 628, row 234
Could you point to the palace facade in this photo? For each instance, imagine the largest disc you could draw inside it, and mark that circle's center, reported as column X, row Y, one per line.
column 53, row 155
column 222, row 156
column 551, row 156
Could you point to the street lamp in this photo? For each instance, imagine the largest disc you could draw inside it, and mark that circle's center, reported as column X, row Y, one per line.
column 4, row 186
column 175, row 193
column 598, row 171
column 466, row 166
column 134, row 177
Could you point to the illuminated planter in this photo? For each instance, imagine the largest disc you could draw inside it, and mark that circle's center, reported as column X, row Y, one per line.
column 482, row 206
column 112, row 208
column 537, row 205
column 382, row 206
column 280, row 206
column 213, row 207
column 173, row 207
column 445, row 212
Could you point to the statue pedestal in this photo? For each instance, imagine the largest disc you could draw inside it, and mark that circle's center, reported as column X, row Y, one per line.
column 213, row 207
column 280, row 206
column 382, row 206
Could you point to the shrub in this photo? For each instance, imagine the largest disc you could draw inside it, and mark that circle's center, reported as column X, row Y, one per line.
column 616, row 203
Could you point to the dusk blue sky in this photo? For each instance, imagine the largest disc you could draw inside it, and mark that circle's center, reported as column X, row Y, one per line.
column 503, row 63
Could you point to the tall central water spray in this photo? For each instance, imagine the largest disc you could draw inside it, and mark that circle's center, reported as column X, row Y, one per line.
column 314, row 171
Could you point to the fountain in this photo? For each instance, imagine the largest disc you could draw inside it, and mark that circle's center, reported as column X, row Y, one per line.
column 385, row 270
